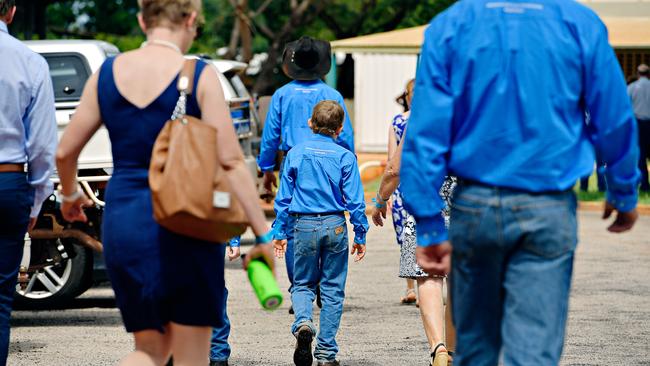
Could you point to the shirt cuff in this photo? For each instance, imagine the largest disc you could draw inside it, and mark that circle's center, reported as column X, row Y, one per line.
column 235, row 242
column 623, row 202
column 431, row 231
column 279, row 235
column 40, row 195
column 360, row 239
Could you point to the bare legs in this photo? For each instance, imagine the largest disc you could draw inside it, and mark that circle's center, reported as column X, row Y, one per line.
column 432, row 309
column 189, row 345
column 410, row 296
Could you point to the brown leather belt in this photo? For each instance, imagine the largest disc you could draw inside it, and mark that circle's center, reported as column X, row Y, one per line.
column 12, row 168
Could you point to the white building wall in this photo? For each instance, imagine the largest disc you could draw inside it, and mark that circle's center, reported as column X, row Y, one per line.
column 379, row 79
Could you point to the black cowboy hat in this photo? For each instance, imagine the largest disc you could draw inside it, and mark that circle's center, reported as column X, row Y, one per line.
column 307, row 59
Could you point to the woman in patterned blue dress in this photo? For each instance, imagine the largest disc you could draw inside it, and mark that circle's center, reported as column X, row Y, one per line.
column 430, row 288
column 399, row 214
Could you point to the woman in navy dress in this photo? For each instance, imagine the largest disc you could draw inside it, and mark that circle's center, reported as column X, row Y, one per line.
column 169, row 288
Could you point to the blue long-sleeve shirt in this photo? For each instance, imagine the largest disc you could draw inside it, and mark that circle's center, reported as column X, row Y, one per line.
column 500, row 98
column 286, row 121
column 320, row 176
column 28, row 131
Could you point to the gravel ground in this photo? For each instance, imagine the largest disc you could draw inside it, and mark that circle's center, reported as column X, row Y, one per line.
column 609, row 321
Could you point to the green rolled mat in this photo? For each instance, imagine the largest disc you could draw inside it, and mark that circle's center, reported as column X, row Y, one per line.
column 264, row 284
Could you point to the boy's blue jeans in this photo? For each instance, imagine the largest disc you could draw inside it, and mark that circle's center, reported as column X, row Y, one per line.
column 219, row 347
column 511, row 276
column 320, row 255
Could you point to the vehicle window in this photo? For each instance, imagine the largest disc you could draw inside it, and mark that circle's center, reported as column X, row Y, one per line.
column 69, row 75
column 238, row 85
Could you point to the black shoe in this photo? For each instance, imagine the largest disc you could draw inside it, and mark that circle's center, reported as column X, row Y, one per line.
column 319, row 303
column 329, row 363
column 291, row 310
column 219, row 363
column 302, row 355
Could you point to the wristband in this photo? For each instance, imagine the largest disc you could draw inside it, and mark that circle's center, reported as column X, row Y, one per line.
column 377, row 204
column 73, row 197
column 264, row 238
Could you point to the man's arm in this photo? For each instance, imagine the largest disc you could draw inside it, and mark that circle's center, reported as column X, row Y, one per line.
column 346, row 138
column 612, row 121
column 41, row 130
column 283, row 200
column 354, row 198
column 271, row 135
column 427, row 140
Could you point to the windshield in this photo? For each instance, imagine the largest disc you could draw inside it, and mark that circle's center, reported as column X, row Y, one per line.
column 69, row 74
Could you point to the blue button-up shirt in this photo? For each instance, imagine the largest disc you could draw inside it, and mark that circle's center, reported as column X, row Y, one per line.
column 286, row 121
column 28, row 131
column 320, row 176
column 639, row 91
column 500, row 98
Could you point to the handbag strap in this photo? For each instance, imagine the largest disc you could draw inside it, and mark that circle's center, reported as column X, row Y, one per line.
column 185, row 86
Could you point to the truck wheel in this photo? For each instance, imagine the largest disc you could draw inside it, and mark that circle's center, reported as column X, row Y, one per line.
column 56, row 286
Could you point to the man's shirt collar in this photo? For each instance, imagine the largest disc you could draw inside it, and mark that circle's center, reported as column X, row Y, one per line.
column 323, row 138
column 3, row 27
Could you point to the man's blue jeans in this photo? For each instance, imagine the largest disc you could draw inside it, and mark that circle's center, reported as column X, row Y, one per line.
column 16, row 200
column 321, row 255
column 511, row 274
column 219, row 347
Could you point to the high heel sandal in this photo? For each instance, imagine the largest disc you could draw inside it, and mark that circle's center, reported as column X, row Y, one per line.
column 439, row 358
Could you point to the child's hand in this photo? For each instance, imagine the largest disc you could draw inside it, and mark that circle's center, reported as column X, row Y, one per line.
column 360, row 249
column 280, row 247
column 233, row 253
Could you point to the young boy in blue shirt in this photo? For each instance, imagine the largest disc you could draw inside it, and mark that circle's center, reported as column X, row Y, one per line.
column 320, row 181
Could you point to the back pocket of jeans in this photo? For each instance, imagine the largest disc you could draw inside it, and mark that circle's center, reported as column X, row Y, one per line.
column 549, row 228
column 305, row 240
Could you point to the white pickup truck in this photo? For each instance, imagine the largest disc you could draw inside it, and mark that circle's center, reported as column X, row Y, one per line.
column 62, row 260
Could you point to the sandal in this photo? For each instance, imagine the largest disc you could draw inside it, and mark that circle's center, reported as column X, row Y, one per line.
column 410, row 297
column 439, row 358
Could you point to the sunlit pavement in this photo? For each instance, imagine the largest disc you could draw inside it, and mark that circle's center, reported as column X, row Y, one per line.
column 609, row 321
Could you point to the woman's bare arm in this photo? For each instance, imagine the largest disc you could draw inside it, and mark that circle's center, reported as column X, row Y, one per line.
column 214, row 110
column 392, row 142
column 390, row 180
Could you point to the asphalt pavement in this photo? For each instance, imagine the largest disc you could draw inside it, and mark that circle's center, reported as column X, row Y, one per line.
column 609, row 321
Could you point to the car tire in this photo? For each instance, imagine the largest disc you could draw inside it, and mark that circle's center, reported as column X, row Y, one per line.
column 57, row 286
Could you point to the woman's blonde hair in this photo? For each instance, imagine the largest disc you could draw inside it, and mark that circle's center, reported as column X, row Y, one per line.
column 166, row 13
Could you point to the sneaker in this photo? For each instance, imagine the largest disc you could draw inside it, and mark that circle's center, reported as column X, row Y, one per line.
column 328, row 363
column 302, row 355
column 219, row 363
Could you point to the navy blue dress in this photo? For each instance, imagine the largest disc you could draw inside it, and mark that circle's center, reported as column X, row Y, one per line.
column 158, row 276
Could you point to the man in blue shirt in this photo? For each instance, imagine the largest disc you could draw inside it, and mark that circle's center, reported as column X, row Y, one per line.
column 320, row 181
column 500, row 101
column 639, row 92
column 28, row 137
column 306, row 61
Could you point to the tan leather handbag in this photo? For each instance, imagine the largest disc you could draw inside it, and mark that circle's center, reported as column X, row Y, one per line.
column 191, row 193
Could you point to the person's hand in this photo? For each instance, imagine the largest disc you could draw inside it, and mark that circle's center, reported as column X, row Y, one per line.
column 260, row 251
column 435, row 259
column 389, row 206
column 233, row 253
column 378, row 215
column 270, row 181
column 279, row 248
column 73, row 211
column 360, row 250
column 624, row 220
column 32, row 223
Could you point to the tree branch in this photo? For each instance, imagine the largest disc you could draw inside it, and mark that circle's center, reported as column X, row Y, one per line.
column 261, row 9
